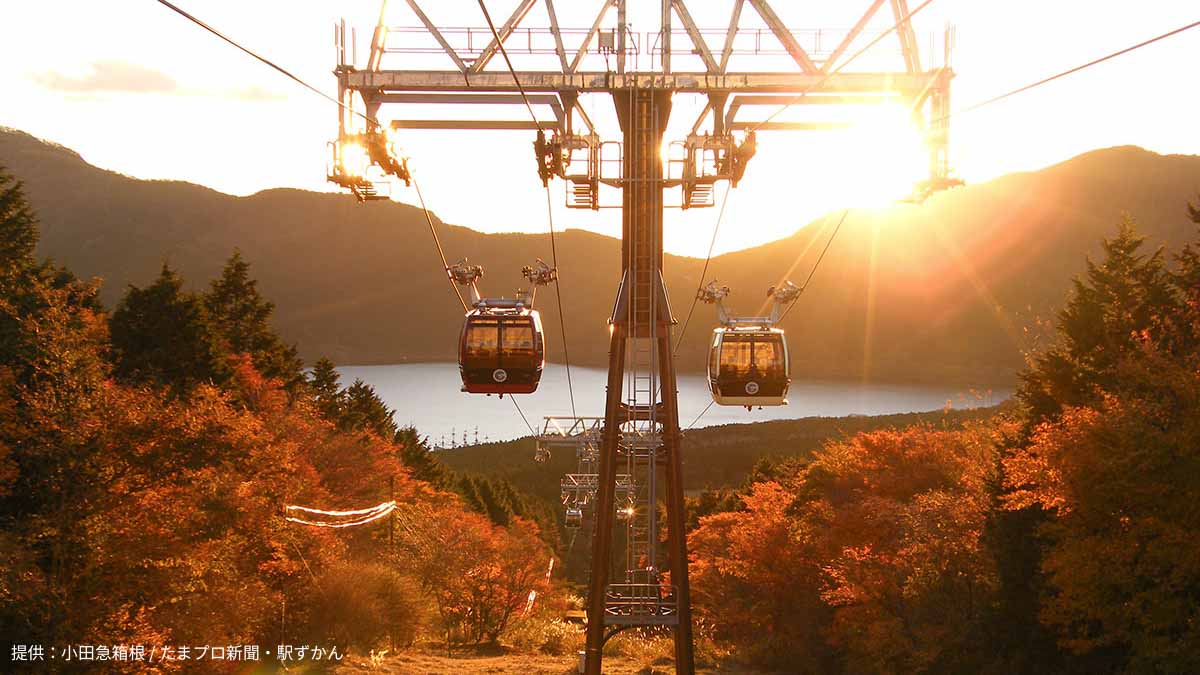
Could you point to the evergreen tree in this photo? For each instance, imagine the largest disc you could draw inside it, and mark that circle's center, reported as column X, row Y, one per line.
column 241, row 323
column 1186, row 324
column 363, row 410
column 325, row 385
column 468, row 489
column 18, row 226
column 29, row 289
column 1116, row 303
column 494, row 505
column 161, row 336
column 421, row 463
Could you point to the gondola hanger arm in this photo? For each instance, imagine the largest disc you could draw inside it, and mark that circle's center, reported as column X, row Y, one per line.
column 714, row 294
column 538, row 274
column 783, row 295
column 467, row 274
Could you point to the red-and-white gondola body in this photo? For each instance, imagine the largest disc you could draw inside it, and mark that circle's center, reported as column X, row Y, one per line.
column 501, row 350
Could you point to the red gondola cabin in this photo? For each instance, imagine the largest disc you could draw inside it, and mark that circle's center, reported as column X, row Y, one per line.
column 502, row 350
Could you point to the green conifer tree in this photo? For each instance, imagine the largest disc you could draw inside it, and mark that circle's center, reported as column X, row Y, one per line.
column 161, row 336
column 18, row 226
column 363, row 410
column 1114, row 304
column 241, row 323
column 415, row 455
column 326, row 388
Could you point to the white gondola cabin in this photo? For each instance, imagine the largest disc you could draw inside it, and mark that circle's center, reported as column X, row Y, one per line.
column 574, row 517
column 748, row 358
column 749, row 367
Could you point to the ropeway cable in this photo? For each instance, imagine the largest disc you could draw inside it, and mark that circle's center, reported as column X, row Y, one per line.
column 549, row 207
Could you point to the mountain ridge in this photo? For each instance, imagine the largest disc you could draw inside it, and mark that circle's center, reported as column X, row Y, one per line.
column 949, row 291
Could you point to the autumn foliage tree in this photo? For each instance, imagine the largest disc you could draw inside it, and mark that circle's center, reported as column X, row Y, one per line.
column 146, row 459
column 757, row 583
column 1114, row 464
column 898, row 519
column 869, row 558
column 480, row 575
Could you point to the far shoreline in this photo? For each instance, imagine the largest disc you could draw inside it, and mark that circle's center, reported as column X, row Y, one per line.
column 979, row 381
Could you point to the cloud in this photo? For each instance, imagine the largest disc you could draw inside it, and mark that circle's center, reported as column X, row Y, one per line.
column 110, row 77
column 122, row 77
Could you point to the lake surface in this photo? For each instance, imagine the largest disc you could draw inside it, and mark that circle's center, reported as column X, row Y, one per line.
column 427, row 396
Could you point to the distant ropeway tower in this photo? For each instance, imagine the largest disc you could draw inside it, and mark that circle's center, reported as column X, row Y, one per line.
column 802, row 69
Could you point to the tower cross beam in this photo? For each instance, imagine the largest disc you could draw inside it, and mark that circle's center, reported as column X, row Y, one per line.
column 367, row 82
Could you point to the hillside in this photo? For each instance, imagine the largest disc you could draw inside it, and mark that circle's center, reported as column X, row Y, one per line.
column 719, row 456
column 942, row 291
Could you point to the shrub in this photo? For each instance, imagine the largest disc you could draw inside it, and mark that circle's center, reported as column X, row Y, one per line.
column 360, row 604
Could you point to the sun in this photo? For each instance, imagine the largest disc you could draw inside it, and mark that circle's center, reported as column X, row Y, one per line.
column 874, row 162
column 881, row 157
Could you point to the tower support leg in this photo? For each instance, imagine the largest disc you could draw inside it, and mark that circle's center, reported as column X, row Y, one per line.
column 607, row 479
column 677, row 534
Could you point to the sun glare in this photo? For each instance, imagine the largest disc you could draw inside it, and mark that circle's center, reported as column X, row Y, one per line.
column 354, row 159
column 887, row 161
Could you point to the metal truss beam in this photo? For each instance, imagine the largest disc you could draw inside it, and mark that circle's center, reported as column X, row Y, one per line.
column 558, row 43
column 598, row 82
column 486, row 125
column 504, row 31
column 854, row 33
column 730, row 34
column 908, row 38
column 784, row 36
column 587, row 39
column 698, row 43
column 790, row 126
column 437, row 35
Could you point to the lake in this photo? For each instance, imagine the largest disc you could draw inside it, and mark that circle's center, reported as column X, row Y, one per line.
column 427, row 396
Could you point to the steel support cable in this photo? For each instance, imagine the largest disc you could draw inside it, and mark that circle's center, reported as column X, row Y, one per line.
column 504, row 52
column 908, row 17
column 178, row 10
column 816, row 264
column 562, row 324
column 704, row 272
column 1069, row 71
column 516, row 405
column 710, row 404
column 549, row 206
column 420, row 198
column 438, row 243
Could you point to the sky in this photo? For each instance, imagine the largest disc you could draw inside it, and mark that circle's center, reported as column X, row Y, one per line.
column 137, row 89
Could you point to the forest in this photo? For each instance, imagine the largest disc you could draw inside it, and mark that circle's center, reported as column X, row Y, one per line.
column 148, row 452
column 147, row 455
column 1060, row 536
